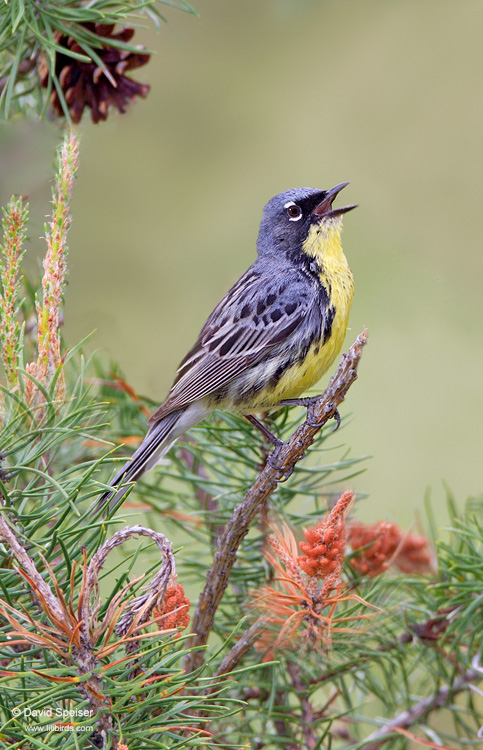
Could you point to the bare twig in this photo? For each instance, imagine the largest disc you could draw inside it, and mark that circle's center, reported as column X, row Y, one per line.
column 244, row 644
column 407, row 718
column 38, row 583
column 285, row 458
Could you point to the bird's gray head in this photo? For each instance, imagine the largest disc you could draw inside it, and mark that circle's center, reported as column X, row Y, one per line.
column 288, row 217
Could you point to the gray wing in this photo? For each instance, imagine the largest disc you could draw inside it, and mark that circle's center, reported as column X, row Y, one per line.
column 260, row 312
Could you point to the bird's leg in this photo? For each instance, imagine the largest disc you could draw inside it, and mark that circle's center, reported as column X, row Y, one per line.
column 272, row 439
column 264, row 430
column 309, row 403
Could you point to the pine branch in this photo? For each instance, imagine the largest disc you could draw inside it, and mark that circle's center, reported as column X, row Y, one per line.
column 285, row 457
column 74, row 636
column 419, row 711
column 65, row 625
column 241, row 647
column 41, row 588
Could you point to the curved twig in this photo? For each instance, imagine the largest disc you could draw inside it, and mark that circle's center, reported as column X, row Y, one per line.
column 155, row 589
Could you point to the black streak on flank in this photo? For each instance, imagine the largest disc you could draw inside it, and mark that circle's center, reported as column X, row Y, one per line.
column 328, row 312
column 328, row 320
column 281, row 369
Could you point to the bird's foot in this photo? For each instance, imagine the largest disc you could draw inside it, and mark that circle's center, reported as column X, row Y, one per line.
column 309, row 403
column 286, row 472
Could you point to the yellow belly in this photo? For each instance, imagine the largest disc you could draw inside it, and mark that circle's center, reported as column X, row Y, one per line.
column 304, row 375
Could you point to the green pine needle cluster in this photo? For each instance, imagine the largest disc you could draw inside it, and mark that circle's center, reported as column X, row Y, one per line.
column 28, row 32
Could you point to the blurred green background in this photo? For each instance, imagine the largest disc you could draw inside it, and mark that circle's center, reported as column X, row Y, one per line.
column 258, row 96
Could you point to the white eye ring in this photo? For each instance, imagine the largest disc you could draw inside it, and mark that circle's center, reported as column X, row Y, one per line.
column 294, row 211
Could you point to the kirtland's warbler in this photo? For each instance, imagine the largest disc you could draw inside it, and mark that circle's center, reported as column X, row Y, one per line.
column 272, row 336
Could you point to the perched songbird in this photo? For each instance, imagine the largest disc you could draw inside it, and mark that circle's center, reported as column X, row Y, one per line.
column 273, row 335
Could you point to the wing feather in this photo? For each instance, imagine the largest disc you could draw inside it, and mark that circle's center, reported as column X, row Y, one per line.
column 255, row 316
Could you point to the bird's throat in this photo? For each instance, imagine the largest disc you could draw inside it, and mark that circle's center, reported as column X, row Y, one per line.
column 324, row 243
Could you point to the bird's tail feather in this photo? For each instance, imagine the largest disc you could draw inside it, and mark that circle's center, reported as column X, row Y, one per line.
column 157, row 442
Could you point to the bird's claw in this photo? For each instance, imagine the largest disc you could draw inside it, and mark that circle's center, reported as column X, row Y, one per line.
column 310, row 419
column 337, row 418
column 285, row 472
column 314, row 423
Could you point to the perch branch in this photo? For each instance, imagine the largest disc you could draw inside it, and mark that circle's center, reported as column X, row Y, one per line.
column 284, row 458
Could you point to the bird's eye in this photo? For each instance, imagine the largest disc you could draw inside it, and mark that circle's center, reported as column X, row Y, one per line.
column 294, row 211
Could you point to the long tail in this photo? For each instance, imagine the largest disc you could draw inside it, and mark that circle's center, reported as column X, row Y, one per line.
column 159, row 439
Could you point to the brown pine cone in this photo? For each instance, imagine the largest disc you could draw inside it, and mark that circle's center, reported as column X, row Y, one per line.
column 86, row 84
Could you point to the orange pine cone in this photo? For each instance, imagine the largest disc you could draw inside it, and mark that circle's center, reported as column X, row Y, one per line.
column 324, row 546
column 174, row 611
column 383, row 544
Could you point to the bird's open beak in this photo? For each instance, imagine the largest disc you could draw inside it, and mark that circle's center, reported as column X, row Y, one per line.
column 324, row 209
